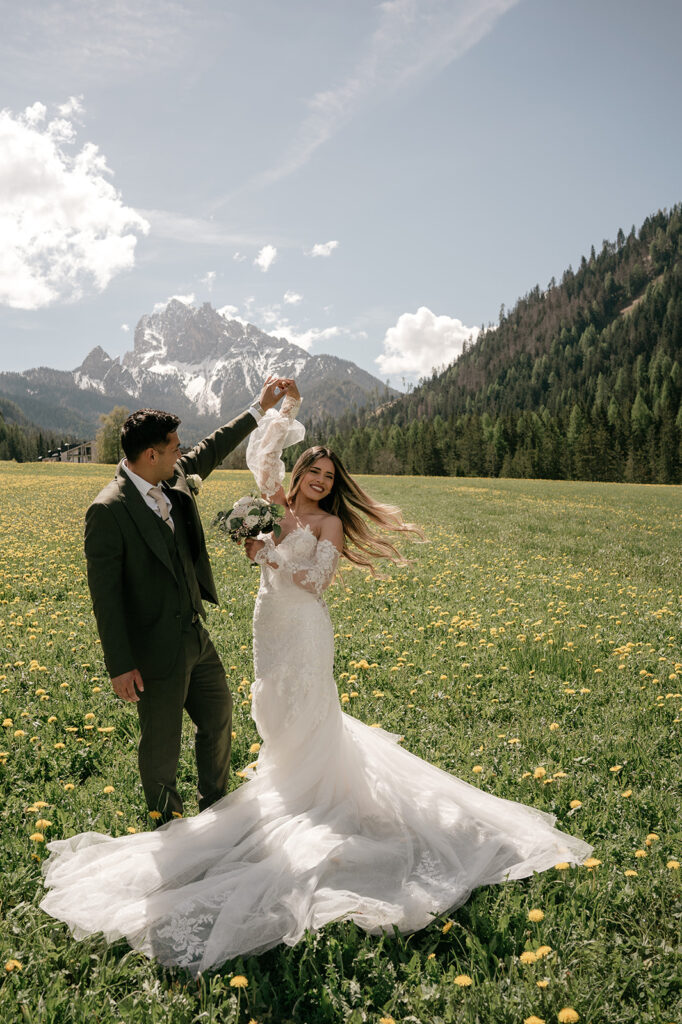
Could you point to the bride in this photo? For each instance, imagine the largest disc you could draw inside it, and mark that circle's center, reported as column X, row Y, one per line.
column 337, row 821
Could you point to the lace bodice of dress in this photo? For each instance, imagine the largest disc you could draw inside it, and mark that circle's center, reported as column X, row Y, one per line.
column 300, row 559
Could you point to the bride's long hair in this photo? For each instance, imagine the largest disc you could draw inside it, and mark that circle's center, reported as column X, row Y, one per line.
column 347, row 500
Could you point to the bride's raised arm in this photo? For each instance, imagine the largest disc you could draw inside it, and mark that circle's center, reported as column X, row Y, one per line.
column 278, row 429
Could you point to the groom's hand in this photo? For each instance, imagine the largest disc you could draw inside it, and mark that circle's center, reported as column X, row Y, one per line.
column 126, row 684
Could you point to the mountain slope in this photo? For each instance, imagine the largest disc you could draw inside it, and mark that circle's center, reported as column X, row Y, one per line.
column 580, row 381
column 194, row 362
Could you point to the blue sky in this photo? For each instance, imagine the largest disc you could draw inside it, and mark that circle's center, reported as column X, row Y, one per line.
column 367, row 179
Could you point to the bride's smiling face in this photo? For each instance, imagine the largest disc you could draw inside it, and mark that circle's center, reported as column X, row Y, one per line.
column 318, row 480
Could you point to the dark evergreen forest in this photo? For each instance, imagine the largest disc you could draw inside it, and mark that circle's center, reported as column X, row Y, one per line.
column 582, row 381
column 20, row 439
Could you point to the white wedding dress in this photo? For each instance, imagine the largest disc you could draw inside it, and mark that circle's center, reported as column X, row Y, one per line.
column 336, row 822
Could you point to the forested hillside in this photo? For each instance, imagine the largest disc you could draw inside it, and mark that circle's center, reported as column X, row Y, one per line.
column 580, row 381
column 20, row 439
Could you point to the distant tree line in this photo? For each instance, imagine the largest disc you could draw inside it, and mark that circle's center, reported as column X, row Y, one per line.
column 580, row 381
column 20, row 440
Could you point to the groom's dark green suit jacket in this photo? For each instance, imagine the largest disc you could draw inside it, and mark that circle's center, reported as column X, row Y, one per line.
column 136, row 595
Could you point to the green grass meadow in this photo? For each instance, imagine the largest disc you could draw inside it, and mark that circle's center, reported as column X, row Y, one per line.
column 532, row 647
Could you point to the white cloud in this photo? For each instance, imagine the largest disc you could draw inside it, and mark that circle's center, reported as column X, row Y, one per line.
column 209, row 279
column 413, row 39
column 229, row 312
column 306, row 339
column 265, row 258
column 125, row 328
column 63, row 225
column 323, row 249
column 72, row 108
column 187, row 300
column 238, row 257
column 422, row 341
column 196, row 230
column 292, row 298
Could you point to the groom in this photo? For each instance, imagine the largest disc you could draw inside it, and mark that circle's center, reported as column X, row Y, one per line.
column 149, row 573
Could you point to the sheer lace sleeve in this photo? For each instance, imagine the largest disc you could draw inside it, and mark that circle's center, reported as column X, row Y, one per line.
column 278, row 429
column 317, row 576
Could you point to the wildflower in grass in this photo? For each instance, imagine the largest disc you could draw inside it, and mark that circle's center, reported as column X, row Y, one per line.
column 641, row 854
column 626, row 793
column 446, row 927
column 431, row 956
column 543, row 983
column 386, row 1020
column 539, row 773
column 533, row 1020
column 528, row 957
column 463, row 980
column 155, row 815
column 536, row 915
column 60, row 746
column 18, row 733
column 616, row 768
column 239, row 981
column 108, row 789
column 575, row 804
column 477, row 769
column 13, row 965
column 254, row 748
column 591, row 862
column 673, row 865
column 131, row 830
column 553, row 726
column 89, row 717
column 7, row 723
column 68, row 786
column 563, row 865
column 630, row 873
column 543, row 951
column 37, row 837
column 568, row 1015
column 651, row 838
column 43, row 823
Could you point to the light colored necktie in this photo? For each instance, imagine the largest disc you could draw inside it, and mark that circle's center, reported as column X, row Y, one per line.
column 162, row 502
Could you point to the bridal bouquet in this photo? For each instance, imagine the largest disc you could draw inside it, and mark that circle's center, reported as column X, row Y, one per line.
column 248, row 517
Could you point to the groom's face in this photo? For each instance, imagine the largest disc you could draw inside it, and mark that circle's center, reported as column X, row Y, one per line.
column 165, row 457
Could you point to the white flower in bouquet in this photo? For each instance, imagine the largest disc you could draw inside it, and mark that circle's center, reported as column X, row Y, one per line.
column 248, row 517
column 194, row 482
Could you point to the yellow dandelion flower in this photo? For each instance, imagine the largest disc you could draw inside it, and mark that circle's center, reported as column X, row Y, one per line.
column 630, row 873
column 18, row 733
column 673, row 865
column 108, row 789
column 575, row 804
column 386, row 1020
column 254, row 748
column 155, row 815
column 13, row 965
column 463, row 980
column 539, row 773
column 52, row 719
column 591, row 862
column 43, row 823
column 543, row 951
column 477, row 769
column 641, row 854
column 60, row 746
column 68, row 786
column 536, row 915
column 528, row 957
column 131, row 830
column 37, row 837
column 239, row 981
column 533, row 1020
column 431, row 956
column 7, row 723
column 652, row 837
column 446, row 927
column 626, row 793
column 89, row 717
column 563, row 865
column 568, row 1015
column 543, row 983
column 553, row 726
column 616, row 768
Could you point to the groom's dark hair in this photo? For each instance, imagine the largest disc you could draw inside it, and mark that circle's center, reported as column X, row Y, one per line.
column 145, row 429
